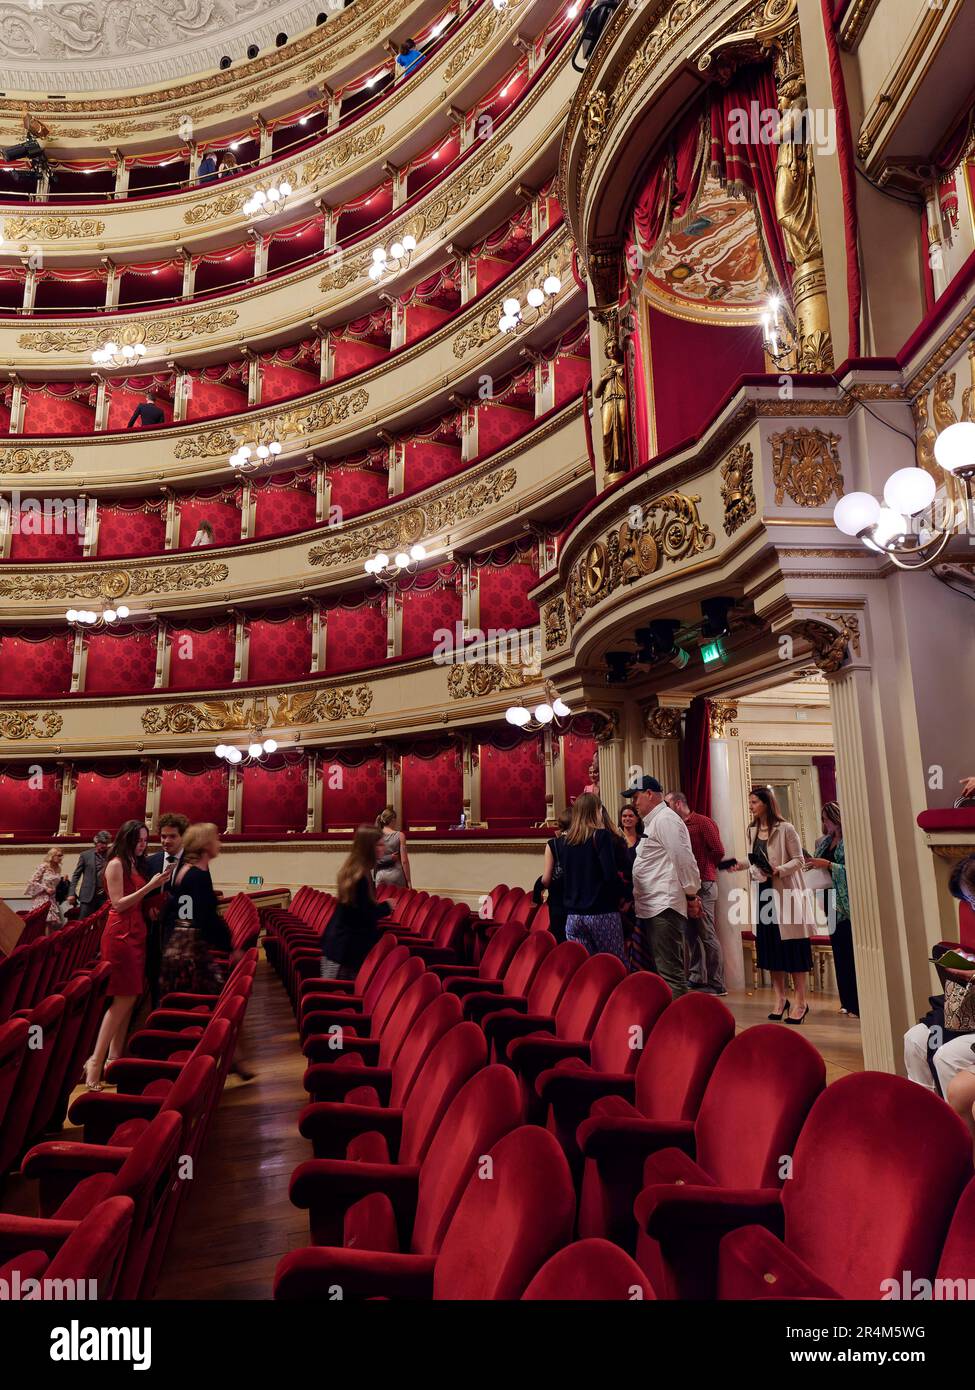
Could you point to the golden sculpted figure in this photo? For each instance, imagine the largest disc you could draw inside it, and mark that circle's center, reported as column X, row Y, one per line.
column 610, row 390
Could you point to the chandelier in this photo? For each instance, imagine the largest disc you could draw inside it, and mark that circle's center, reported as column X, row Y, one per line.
column 551, row 710
column 125, row 354
column 248, row 458
column 515, row 319
column 387, row 569
column 913, row 526
column 254, row 752
column 396, row 258
column 267, row 200
column 87, row 617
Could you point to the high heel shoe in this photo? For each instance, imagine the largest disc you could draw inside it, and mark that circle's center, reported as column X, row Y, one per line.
column 777, row 1018
column 89, row 1085
column 796, row 1021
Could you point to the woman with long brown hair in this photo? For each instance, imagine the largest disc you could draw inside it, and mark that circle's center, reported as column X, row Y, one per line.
column 593, row 887
column 782, row 910
column 352, row 931
column 123, row 942
column 830, row 856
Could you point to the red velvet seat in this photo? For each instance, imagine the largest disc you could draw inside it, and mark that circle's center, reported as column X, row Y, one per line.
column 12, row 970
column 316, row 985
column 86, row 1035
column 114, row 1118
column 667, row 1086
column 878, row 1170
column 447, row 939
column 495, row 960
column 502, row 1232
column 16, row 1134
column 570, row 1076
column 366, row 1202
column 390, row 1027
column 163, row 1057
column 958, row 1255
column 62, row 1055
column 325, row 1000
column 320, row 1016
column 74, row 1178
column 13, row 1045
column 589, row 1271
column 543, row 994
column 389, row 1085
column 91, row 1250
column 515, row 977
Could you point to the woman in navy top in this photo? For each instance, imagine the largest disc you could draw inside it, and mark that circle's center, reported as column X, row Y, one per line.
column 592, row 880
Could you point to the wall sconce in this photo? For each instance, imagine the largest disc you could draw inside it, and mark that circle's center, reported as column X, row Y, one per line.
column 387, row 569
column 248, row 458
column 267, row 200
column 396, row 258
column 514, row 319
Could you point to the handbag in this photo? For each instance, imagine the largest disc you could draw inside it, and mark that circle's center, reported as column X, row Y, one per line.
column 960, row 1006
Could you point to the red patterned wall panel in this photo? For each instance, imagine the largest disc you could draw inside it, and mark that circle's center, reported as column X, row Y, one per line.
column 224, row 517
column 355, row 638
column 513, row 784
column 422, row 319
column 281, row 383
column 357, row 490
column 201, row 660
column 489, row 270
column 572, row 376
column 122, row 532
column 578, row 752
column 499, row 424
column 57, row 415
column 274, row 800
column 58, row 535
column 210, row 398
column 279, row 511
column 427, row 462
column 433, row 789
column 30, row 806
column 201, row 796
column 122, row 403
column 121, row 663
column 425, row 611
column 105, row 803
column 503, row 594
column 279, row 651
column 355, row 355
column 36, row 668
column 352, row 795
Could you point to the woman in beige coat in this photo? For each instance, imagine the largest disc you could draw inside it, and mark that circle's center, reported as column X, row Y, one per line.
column 783, row 911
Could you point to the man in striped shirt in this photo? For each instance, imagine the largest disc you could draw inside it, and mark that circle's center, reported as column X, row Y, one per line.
column 706, row 969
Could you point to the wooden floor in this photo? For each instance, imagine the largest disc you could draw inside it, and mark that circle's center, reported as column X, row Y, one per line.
column 237, row 1221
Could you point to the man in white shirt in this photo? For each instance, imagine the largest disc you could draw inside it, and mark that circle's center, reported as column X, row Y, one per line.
column 665, row 886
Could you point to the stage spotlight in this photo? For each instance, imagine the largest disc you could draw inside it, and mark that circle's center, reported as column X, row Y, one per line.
column 281, row 40
column 253, row 51
column 715, row 614
column 225, row 62
column 647, row 651
column 617, row 667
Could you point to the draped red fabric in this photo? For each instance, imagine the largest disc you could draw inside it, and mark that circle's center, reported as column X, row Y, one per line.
column 202, row 796
column 224, row 517
column 274, row 799
column 36, row 668
column 635, row 373
column 425, row 612
column 684, row 400
column 30, row 804
column 279, row 651
column 201, row 660
column 433, row 789
column 825, row 765
column 750, row 165
column 503, row 592
column 428, row 461
column 124, row 662
column 498, row 424
column 696, row 755
column 578, row 751
column 124, row 531
column 279, row 511
column 104, row 802
column 512, row 784
column 358, row 490
column 352, row 796
column 355, row 638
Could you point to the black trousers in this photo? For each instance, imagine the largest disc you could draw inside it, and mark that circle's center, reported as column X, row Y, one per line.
column 154, row 960
column 845, row 967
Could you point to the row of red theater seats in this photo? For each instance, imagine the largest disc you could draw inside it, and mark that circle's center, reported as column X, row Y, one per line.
column 710, row 1158
column 106, row 1206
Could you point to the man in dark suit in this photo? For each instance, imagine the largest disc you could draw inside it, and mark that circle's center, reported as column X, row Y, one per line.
column 149, row 414
column 160, row 905
column 89, row 872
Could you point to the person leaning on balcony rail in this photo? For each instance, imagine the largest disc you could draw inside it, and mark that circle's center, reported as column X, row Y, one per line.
column 207, row 171
column 226, row 163
column 409, row 56
column 149, row 413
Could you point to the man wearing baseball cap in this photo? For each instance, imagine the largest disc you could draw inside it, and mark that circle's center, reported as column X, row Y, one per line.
column 665, row 886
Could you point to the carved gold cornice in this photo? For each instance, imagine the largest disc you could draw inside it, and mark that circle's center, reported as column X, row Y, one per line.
column 115, row 583
column 554, row 624
column 38, row 229
column 721, row 714
column 480, row 36
column 831, row 644
column 17, row 725
column 20, row 460
column 156, row 332
column 291, row 708
column 415, row 523
column 806, row 467
column 475, row 679
column 737, row 490
column 662, row 721
column 281, row 425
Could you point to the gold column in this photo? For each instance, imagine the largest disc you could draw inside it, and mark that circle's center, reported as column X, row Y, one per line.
column 162, row 653
column 153, row 793
column 313, row 818
column 66, row 813
column 240, row 647
column 78, row 661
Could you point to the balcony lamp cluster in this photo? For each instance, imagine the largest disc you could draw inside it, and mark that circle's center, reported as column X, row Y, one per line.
column 387, row 568
column 397, row 257
column 514, row 318
column 907, row 526
column 86, row 617
column 552, row 709
column 254, row 751
column 113, row 354
column 247, row 458
column 266, row 200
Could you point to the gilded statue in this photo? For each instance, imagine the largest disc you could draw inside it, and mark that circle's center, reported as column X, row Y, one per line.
column 610, row 390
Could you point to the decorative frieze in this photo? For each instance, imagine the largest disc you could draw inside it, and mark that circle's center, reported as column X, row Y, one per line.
column 554, row 624
column 18, row 725
column 291, row 708
column 660, row 721
column 737, row 491
column 155, row 332
column 36, row 229
column 806, row 467
column 475, row 679
column 721, row 714
column 281, row 425
column 113, row 584
column 831, row 644
column 35, row 460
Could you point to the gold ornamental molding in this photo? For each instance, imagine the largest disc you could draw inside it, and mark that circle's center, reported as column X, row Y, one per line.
column 672, row 530
column 291, row 708
column 910, row 63
column 484, row 329
column 662, row 721
column 35, row 460
column 554, row 624
column 153, row 332
column 855, row 21
column 831, row 644
column 335, row 155
column 721, row 714
column 806, row 466
column 489, row 24
column 113, row 583
column 280, row 425
column 232, row 200
column 475, row 679
column 17, row 725
column 417, row 523
column 737, row 491
column 35, row 229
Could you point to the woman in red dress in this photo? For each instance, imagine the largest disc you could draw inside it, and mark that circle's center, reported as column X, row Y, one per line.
column 123, row 943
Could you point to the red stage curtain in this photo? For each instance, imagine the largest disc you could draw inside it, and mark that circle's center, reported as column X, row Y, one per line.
column 280, row 510
column 498, row 425
column 433, row 789
column 36, row 668
column 352, row 795
column 223, row 516
column 275, row 799
column 104, row 802
column 696, row 755
column 201, row 795
column 279, row 651
column 504, row 600
column 685, row 400
column 355, row 638
column 358, row 490
column 201, row 660
column 513, row 784
column 129, row 531
column 120, row 662
column 428, row 461
column 30, row 804
column 425, row 611
column 578, row 751
column 825, row 766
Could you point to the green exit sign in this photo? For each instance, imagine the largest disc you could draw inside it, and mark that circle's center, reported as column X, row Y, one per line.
column 711, row 652
column 255, row 881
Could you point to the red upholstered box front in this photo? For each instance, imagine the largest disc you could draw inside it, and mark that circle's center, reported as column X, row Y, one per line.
column 124, row 661
column 275, row 798
column 201, row 660
column 32, row 668
column 30, row 801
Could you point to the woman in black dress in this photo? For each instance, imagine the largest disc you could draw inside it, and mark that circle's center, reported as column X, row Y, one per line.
column 352, row 930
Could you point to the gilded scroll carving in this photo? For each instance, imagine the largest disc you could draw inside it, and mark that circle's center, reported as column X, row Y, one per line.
column 806, row 467
column 112, row 584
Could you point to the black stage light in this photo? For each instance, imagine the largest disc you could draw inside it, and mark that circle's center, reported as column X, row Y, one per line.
column 617, row 667
column 253, row 51
column 225, row 62
column 715, row 613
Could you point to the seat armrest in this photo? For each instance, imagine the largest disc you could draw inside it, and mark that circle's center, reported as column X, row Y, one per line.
column 58, row 1167
column 320, row 986
column 100, row 1113
column 327, row 1187
column 613, row 1135
column 567, row 1087
column 455, row 972
column 328, row 1047
column 465, row 985
column 503, row 1026
column 320, row 1020
column 131, row 1075
column 533, row 1053
column 477, row 1006
column 314, row 1273
column 332, row 1125
column 159, row 1043
column 325, row 1081
column 18, row 1234
column 755, row 1264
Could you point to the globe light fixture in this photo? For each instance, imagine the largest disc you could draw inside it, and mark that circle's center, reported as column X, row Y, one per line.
column 551, row 710
column 389, row 261
column 248, row 457
column 264, row 201
column 388, row 569
column 539, row 301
